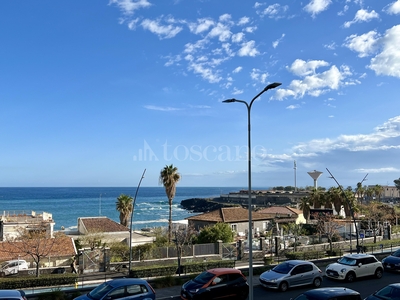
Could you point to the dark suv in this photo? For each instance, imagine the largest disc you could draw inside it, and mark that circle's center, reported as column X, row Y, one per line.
column 330, row 293
column 215, row 284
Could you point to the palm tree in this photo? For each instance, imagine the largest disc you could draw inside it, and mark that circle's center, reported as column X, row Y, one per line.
column 304, row 205
column 378, row 191
column 169, row 177
column 316, row 198
column 360, row 192
column 335, row 195
column 125, row 207
column 368, row 192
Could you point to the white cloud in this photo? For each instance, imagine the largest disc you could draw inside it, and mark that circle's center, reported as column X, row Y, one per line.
column 291, row 107
column 317, row 6
column 222, row 31
column 382, row 138
column 128, row 7
column 236, row 91
column 312, row 82
column 201, row 25
column 393, row 8
column 387, row 62
column 362, row 16
column 259, row 76
column 237, row 70
column 364, row 44
column 243, row 21
column 274, row 11
column 237, row 37
column 277, row 42
column 248, row 49
column 377, row 171
column 163, row 31
column 302, row 68
column 166, row 108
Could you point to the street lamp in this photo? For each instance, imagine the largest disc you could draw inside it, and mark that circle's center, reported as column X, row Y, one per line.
column 130, row 233
column 250, row 233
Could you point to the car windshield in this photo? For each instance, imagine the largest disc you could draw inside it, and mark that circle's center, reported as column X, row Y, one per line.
column 283, row 268
column 388, row 292
column 347, row 261
column 100, row 291
column 396, row 253
column 204, row 277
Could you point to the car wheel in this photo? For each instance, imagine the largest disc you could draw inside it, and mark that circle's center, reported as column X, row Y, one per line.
column 317, row 282
column 379, row 273
column 283, row 287
column 350, row 277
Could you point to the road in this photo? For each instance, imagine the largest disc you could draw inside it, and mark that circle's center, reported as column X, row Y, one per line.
column 365, row 286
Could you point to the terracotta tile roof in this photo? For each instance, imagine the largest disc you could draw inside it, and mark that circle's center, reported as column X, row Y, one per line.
column 229, row 215
column 281, row 210
column 64, row 246
column 102, row 224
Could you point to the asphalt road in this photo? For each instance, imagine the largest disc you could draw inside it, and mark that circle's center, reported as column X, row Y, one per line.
column 365, row 286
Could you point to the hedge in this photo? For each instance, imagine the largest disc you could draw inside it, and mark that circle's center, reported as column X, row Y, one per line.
column 161, row 271
column 43, row 280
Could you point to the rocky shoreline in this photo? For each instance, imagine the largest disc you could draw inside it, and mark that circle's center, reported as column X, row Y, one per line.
column 200, row 205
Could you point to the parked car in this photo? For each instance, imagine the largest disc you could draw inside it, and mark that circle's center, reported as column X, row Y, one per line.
column 352, row 266
column 13, row 266
column 292, row 273
column 391, row 291
column 12, row 294
column 392, row 262
column 122, row 288
column 330, row 293
column 215, row 284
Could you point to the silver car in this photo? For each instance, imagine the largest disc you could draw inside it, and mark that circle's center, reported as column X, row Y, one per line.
column 292, row 273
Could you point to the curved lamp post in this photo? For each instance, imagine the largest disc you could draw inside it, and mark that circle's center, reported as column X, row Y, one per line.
column 250, row 233
column 130, row 232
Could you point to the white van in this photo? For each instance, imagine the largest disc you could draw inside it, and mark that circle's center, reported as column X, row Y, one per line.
column 13, row 266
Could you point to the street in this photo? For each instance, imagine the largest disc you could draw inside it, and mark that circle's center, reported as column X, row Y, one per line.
column 365, row 286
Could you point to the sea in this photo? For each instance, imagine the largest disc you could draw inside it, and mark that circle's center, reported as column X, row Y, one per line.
column 67, row 204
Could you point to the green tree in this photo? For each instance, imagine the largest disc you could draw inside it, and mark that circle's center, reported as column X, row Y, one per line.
column 397, row 183
column 316, row 198
column 125, row 207
column 360, row 192
column 304, row 205
column 378, row 191
column 213, row 233
column 369, row 192
column 169, row 177
column 335, row 196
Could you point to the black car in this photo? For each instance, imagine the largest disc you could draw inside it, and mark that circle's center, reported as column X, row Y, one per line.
column 215, row 284
column 392, row 262
column 391, row 291
column 330, row 293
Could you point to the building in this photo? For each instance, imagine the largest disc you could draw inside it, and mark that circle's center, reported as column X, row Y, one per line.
column 110, row 231
column 284, row 214
column 59, row 255
column 13, row 221
column 236, row 217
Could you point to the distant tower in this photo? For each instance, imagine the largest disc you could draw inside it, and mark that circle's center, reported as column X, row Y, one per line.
column 315, row 175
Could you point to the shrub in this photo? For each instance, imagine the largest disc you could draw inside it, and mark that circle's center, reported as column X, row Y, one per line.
column 305, row 255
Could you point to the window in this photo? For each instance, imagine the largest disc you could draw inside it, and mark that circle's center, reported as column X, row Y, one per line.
column 117, row 293
column 135, row 289
column 307, row 268
column 234, row 227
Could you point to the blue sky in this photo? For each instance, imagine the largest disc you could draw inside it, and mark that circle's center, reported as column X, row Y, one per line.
column 94, row 92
